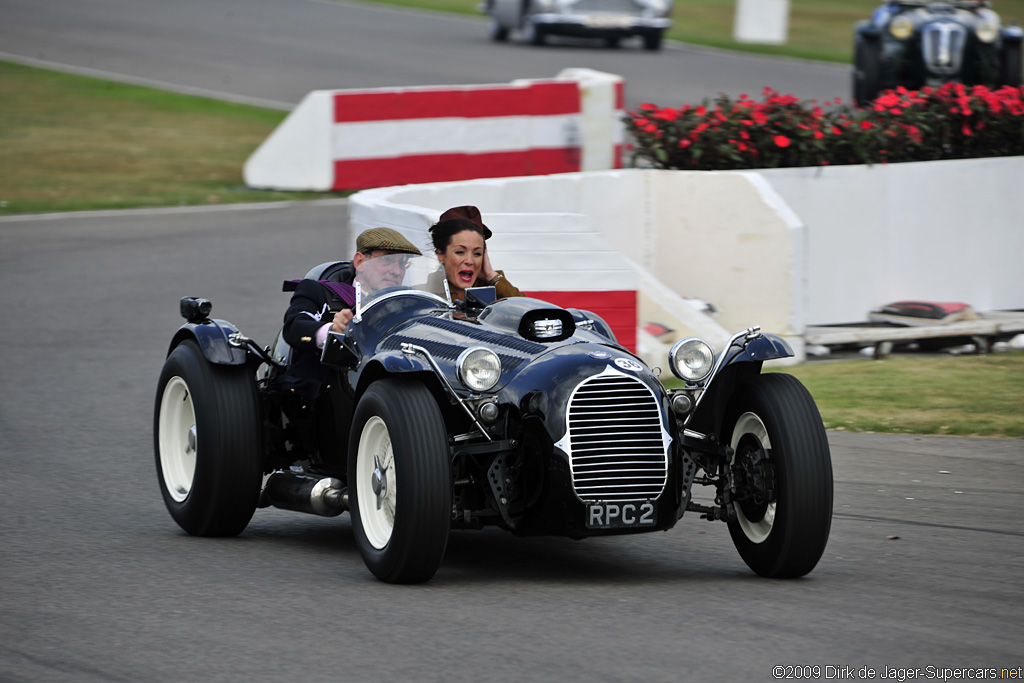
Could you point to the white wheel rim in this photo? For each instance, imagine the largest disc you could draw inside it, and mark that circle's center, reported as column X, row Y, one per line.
column 178, row 439
column 376, row 483
column 755, row 530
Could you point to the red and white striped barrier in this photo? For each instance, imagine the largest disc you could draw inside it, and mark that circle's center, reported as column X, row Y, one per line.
column 357, row 139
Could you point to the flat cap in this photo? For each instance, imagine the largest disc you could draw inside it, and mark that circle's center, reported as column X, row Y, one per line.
column 387, row 239
column 469, row 213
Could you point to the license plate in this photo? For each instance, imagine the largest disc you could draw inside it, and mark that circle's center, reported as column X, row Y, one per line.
column 607, row 20
column 627, row 515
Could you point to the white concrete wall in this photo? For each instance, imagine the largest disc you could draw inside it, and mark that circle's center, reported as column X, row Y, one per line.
column 938, row 231
column 783, row 249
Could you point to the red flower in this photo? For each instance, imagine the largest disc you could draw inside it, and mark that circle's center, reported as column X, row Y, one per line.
column 684, row 143
column 782, row 141
column 650, row 128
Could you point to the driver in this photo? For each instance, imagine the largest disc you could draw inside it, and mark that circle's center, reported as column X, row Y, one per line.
column 319, row 307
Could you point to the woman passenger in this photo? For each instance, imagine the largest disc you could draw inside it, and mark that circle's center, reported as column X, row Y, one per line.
column 460, row 245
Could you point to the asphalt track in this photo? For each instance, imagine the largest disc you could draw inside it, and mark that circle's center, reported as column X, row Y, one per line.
column 273, row 52
column 98, row 584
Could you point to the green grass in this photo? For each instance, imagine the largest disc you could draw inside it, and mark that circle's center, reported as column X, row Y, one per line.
column 818, row 29
column 74, row 143
column 962, row 395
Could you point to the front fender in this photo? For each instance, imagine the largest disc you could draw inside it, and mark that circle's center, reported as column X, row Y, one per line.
column 739, row 365
column 213, row 339
column 765, row 347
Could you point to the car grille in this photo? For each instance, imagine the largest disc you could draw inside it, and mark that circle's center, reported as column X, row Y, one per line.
column 616, row 444
column 618, row 6
column 942, row 44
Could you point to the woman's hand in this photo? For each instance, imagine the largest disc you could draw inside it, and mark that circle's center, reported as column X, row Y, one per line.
column 487, row 272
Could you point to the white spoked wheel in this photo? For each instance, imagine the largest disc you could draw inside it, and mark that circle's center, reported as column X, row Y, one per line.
column 207, row 434
column 377, row 490
column 400, row 480
column 750, row 434
column 178, row 439
column 781, row 474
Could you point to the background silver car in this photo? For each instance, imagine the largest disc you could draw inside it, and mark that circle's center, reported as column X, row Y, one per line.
column 610, row 20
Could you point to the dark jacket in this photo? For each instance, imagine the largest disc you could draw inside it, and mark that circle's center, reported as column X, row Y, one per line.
column 312, row 306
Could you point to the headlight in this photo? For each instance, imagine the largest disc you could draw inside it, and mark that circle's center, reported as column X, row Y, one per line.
column 479, row 368
column 987, row 31
column 901, row 28
column 691, row 360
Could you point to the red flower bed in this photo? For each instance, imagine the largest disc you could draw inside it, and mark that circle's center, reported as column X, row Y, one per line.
column 950, row 122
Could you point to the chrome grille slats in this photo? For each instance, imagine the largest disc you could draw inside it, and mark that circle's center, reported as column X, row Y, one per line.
column 615, row 439
column 942, row 44
column 618, row 6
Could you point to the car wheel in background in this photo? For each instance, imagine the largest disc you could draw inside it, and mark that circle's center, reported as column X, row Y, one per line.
column 652, row 41
column 1011, row 64
column 532, row 33
column 498, row 33
column 867, row 64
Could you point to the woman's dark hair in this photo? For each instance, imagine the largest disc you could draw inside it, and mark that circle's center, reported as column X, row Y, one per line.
column 441, row 232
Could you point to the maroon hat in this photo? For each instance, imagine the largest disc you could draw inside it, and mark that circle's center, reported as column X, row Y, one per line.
column 468, row 212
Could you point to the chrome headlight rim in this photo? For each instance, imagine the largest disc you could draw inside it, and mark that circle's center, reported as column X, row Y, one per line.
column 986, row 31
column 901, row 28
column 686, row 372
column 479, row 368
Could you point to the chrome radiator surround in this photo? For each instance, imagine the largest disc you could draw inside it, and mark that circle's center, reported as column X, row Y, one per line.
column 942, row 46
column 615, row 439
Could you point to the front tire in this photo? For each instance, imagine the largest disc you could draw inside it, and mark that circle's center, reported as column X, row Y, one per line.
column 400, row 481
column 532, row 32
column 208, row 443
column 1011, row 65
column 652, row 41
column 867, row 70
column 782, row 492
column 498, row 33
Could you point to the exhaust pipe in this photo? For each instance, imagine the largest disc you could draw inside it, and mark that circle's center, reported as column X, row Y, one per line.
column 324, row 496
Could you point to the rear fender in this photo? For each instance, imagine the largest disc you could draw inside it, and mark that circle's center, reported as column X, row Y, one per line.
column 213, row 338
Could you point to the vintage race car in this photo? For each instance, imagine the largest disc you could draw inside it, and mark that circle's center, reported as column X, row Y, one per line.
column 609, row 20
column 512, row 413
column 918, row 43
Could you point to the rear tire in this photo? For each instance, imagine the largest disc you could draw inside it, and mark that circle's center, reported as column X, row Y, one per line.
column 785, row 535
column 399, row 477
column 208, row 443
